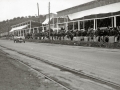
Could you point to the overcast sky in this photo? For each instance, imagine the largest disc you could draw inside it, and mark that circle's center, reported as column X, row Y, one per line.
column 18, row 8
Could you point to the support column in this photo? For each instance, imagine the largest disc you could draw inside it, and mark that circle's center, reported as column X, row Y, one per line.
column 115, row 21
column 78, row 25
column 33, row 30
column 23, row 32
column 20, row 32
column 37, row 29
column 94, row 24
column 112, row 21
column 57, row 24
column 64, row 23
column 43, row 28
column 73, row 26
column 67, row 24
column 29, row 31
column 83, row 24
column 30, row 28
column 53, row 23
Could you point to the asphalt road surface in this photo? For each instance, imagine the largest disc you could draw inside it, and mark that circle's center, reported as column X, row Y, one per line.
column 103, row 63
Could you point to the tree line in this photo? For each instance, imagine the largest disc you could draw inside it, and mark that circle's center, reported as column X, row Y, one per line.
column 6, row 24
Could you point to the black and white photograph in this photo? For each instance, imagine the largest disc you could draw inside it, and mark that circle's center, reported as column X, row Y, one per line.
column 59, row 44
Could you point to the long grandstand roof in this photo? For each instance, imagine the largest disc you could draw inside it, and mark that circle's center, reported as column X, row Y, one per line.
column 107, row 9
column 86, row 6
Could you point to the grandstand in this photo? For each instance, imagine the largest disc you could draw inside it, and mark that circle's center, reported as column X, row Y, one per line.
column 94, row 14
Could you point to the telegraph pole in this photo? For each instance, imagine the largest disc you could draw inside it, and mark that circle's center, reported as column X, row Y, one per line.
column 49, row 18
column 8, row 25
column 38, row 12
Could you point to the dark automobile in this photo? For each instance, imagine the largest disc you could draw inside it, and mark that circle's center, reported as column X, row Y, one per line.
column 19, row 39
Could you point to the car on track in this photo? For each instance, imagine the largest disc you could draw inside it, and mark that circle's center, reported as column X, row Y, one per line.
column 19, row 39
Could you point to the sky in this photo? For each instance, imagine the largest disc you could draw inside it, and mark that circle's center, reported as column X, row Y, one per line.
column 10, row 9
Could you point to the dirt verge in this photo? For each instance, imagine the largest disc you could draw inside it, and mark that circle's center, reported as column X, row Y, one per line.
column 16, row 76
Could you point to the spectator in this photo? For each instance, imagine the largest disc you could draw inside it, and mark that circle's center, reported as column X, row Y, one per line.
column 106, row 39
column 118, row 36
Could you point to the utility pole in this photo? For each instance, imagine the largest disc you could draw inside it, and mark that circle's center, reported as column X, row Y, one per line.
column 8, row 23
column 38, row 12
column 49, row 18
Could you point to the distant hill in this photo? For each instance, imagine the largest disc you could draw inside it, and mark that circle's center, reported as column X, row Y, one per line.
column 6, row 25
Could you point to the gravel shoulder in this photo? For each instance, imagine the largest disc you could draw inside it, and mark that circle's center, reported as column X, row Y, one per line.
column 15, row 76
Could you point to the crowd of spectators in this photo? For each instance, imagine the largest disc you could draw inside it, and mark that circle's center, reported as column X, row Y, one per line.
column 102, row 34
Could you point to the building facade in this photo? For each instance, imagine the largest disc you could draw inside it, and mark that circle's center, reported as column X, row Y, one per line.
column 98, row 13
column 24, row 28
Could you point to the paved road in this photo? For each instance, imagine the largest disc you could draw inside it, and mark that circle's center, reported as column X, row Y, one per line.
column 104, row 63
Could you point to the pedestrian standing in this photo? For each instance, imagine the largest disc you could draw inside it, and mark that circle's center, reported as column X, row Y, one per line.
column 106, row 40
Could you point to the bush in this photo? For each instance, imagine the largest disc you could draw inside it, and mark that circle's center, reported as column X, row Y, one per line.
column 78, row 43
